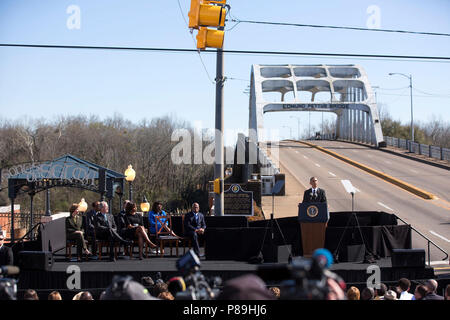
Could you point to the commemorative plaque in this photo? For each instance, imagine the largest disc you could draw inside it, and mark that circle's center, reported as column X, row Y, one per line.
column 238, row 202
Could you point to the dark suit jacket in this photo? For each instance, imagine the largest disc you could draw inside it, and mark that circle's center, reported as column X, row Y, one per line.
column 89, row 222
column 73, row 225
column 6, row 256
column 121, row 223
column 433, row 296
column 321, row 196
column 102, row 225
column 190, row 223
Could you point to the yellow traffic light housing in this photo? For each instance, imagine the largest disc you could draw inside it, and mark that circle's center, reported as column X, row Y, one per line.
column 204, row 14
column 210, row 38
column 217, row 186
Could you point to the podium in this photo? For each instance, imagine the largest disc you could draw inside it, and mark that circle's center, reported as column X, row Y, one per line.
column 313, row 218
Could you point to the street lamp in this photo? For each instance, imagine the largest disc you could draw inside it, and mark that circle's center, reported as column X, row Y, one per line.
column 412, row 118
column 145, row 206
column 47, row 198
column 290, row 131
column 130, row 174
column 298, row 126
column 82, row 206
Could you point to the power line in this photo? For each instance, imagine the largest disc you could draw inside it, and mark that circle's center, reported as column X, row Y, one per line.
column 437, row 95
column 338, row 27
column 246, row 52
column 193, row 40
column 391, row 89
column 414, row 95
column 432, row 94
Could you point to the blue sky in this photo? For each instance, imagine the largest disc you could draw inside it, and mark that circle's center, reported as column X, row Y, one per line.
column 45, row 83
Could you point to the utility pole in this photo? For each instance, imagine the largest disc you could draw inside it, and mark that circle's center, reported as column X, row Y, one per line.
column 219, row 166
column 201, row 15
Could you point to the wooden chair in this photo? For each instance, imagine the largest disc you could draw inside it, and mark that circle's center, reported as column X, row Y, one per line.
column 105, row 243
column 136, row 243
column 69, row 245
column 163, row 236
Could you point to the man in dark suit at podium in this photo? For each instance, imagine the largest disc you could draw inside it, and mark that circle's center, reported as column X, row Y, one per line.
column 314, row 194
column 194, row 225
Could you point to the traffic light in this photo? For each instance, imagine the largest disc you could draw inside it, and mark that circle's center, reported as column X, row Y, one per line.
column 217, row 186
column 205, row 13
column 209, row 38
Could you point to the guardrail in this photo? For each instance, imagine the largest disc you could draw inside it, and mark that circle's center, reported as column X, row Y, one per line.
column 435, row 152
column 426, row 238
column 267, row 167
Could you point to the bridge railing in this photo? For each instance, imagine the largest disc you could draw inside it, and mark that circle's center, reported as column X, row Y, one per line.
column 419, row 148
column 268, row 168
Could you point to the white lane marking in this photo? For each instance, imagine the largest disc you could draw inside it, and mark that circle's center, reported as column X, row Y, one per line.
column 369, row 155
column 305, row 157
column 388, row 162
column 383, row 205
column 355, row 151
column 413, row 170
column 296, row 151
column 356, row 189
column 439, row 236
column 317, row 165
column 436, row 263
column 332, row 174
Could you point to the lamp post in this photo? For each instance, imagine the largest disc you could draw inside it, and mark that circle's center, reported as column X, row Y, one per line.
column 298, row 126
column 82, row 206
column 47, row 199
column 290, row 131
column 130, row 174
column 412, row 117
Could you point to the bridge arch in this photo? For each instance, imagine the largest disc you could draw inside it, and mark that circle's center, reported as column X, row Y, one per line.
column 350, row 94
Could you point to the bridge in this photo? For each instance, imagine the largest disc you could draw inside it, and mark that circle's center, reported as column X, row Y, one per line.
column 417, row 192
column 345, row 89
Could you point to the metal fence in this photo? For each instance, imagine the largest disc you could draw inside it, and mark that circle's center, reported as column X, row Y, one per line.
column 21, row 221
column 419, row 148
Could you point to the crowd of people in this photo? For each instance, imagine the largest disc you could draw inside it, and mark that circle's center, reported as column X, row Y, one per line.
column 127, row 227
column 402, row 291
column 247, row 287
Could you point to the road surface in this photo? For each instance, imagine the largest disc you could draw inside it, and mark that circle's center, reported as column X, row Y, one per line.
column 430, row 217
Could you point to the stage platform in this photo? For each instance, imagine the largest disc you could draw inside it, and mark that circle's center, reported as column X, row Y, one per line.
column 97, row 275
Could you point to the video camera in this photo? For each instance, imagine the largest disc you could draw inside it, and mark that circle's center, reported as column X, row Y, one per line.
column 303, row 279
column 8, row 286
column 197, row 287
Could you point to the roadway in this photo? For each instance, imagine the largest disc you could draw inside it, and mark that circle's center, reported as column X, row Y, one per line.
column 430, row 217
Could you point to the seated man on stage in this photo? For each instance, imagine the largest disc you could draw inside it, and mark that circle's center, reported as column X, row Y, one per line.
column 89, row 225
column 194, row 225
column 106, row 229
column 314, row 194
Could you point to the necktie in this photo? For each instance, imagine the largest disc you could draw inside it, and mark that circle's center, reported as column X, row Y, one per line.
column 106, row 219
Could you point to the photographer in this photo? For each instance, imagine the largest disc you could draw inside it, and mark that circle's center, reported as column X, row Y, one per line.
column 306, row 279
column 194, row 285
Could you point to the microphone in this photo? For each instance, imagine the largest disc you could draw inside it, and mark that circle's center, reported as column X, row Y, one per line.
column 9, row 270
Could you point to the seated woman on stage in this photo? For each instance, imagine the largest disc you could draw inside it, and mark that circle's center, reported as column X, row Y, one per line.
column 74, row 232
column 135, row 227
column 158, row 211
